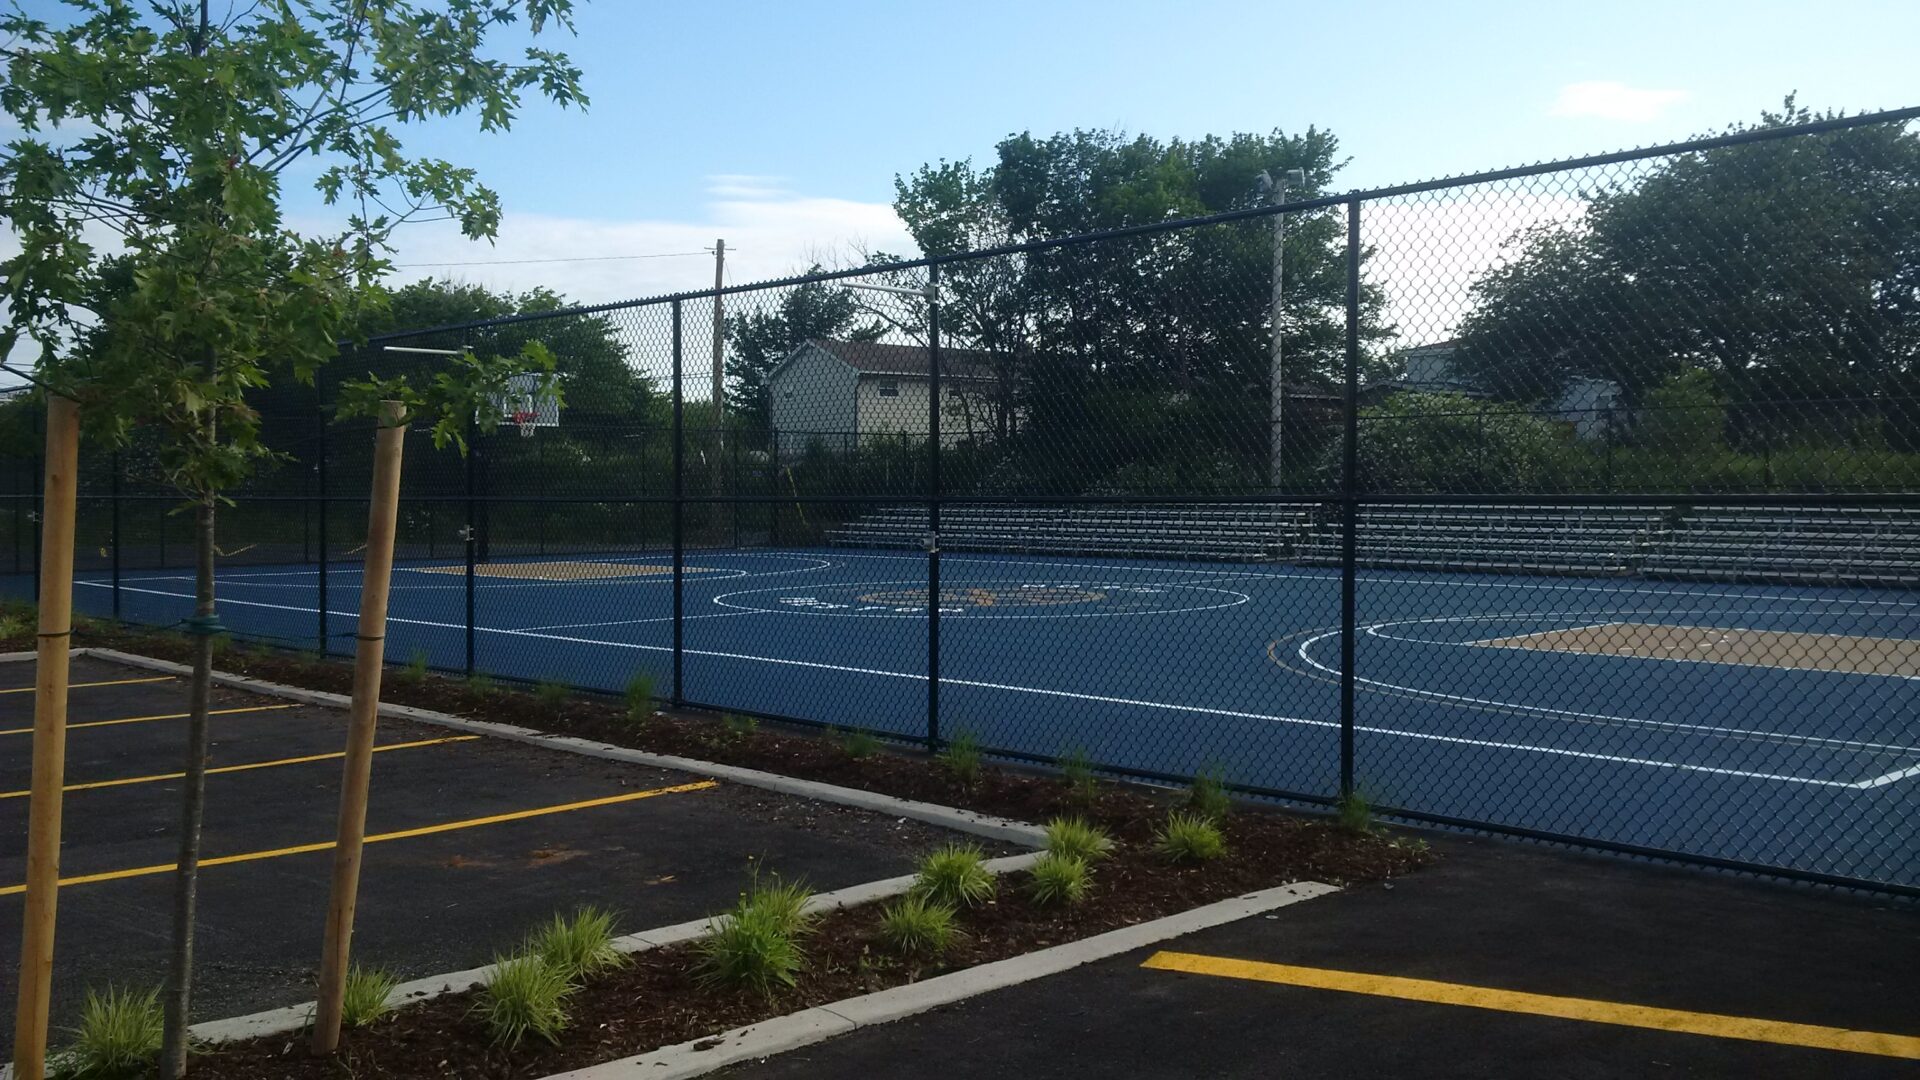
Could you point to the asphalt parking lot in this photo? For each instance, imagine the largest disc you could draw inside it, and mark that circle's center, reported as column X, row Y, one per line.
column 1500, row 960
column 471, row 841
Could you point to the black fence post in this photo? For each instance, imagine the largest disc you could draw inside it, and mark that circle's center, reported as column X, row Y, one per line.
column 1349, row 488
column 933, row 508
column 320, row 512
column 113, row 510
column 472, row 535
column 679, row 516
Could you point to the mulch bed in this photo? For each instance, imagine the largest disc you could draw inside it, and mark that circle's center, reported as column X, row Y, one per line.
column 655, row 1001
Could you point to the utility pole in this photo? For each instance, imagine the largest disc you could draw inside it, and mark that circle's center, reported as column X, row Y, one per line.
column 1276, row 192
column 719, row 326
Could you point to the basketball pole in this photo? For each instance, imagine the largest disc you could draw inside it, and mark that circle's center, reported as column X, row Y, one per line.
column 362, row 720
column 49, row 737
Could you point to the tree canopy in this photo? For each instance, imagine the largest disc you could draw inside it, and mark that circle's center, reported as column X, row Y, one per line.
column 1784, row 268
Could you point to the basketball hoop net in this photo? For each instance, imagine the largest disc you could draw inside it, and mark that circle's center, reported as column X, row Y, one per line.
column 524, row 419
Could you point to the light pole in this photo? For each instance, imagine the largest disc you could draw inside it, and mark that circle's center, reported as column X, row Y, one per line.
column 1276, row 192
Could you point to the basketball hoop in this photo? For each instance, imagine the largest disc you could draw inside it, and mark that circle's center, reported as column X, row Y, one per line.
column 524, row 418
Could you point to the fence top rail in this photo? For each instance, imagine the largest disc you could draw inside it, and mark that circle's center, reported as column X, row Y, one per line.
column 1749, row 135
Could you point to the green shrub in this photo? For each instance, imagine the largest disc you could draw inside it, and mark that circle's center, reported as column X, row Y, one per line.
column 1059, row 879
column 962, row 757
column 1354, row 812
column 919, row 926
column 13, row 625
column 578, row 945
column 1073, row 837
column 753, row 946
column 1077, row 768
column 118, row 1036
column 858, row 744
column 551, row 693
column 527, row 996
column 639, row 696
column 365, row 998
column 1190, row 837
column 1207, row 796
column 955, row 875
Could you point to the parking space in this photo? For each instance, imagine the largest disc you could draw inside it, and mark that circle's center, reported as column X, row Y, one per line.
column 471, row 840
column 1500, row 960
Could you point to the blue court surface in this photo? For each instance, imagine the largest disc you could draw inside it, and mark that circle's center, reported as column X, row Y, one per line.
column 1769, row 724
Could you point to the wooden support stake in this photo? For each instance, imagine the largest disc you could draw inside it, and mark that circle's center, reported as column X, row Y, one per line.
column 369, row 655
column 49, row 738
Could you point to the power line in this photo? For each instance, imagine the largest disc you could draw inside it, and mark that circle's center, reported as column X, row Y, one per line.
column 523, row 262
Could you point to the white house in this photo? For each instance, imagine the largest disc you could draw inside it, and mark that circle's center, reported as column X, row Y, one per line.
column 1585, row 403
column 840, row 393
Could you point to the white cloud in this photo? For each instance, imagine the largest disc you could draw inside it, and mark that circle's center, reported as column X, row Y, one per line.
column 770, row 231
column 1614, row 101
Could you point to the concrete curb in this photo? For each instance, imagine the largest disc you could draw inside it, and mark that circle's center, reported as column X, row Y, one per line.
column 946, row 817
column 295, row 1017
column 809, row 1026
column 16, row 657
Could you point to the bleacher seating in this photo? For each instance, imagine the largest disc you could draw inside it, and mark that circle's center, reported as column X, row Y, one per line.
column 1814, row 545
column 1240, row 531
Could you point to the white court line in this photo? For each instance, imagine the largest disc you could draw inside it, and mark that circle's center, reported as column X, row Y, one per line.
column 718, row 574
column 1894, row 777
column 1420, row 736
column 1703, row 729
column 638, row 622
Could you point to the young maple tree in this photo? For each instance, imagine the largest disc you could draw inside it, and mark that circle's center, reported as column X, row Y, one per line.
column 158, row 279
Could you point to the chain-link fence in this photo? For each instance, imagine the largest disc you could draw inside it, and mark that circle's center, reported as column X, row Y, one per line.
column 1577, row 501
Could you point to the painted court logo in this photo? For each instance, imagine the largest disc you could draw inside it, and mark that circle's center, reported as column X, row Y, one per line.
column 957, row 600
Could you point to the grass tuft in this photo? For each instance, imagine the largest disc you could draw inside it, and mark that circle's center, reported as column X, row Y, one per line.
column 1208, row 795
column 1076, row 766
column 527, row 996
column 13, row 625
column 365, row 999
column 551, row 693
column 639, row 696
column 919, row 926
column 1190, row 837
column 1354, row 813
column 1074, row 838
column 1059, row 879
column 858, row 744
column 737, row 726
column 955, row 875
column 962, row 757
column 578, row 945
column 415, row 671
column 756, row 945
column 481, row 683
column 118, row 1036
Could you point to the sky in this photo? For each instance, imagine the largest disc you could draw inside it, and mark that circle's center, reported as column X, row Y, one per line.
column 780, row 126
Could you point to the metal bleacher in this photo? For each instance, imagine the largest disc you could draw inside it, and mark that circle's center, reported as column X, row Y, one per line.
column 1236, row 531
column 1812, row 545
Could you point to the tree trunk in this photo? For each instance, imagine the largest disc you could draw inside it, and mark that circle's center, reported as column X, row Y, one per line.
column 179, row 991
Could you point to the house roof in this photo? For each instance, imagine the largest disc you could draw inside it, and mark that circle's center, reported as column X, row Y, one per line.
column 879, row 358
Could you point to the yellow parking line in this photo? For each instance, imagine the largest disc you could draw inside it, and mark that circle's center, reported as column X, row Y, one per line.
column 161, row 716
column 95, row 785
column 404, row 834
column 80, row 685
column 1565, row 1008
